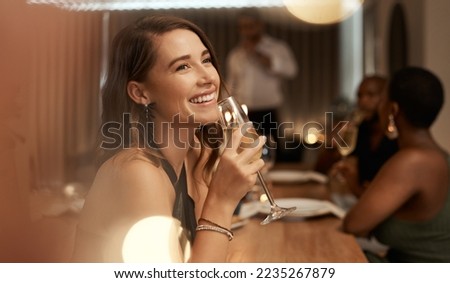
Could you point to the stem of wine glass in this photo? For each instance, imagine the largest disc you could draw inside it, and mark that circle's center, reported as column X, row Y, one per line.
column 266, row 189
column 276, row 212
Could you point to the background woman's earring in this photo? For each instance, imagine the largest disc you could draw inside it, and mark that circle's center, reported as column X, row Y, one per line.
column 146, row 111
column 391, row 131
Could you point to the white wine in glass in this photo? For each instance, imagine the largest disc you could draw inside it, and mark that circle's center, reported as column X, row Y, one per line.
column 232, row 116
column 349, row 135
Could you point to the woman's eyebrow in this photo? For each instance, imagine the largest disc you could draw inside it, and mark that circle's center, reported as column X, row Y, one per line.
column 186, row 57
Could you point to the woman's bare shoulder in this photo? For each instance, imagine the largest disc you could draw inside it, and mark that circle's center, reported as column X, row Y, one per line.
column 121, row 165
column 132, row 183
column 411, row 167
column 417, row 157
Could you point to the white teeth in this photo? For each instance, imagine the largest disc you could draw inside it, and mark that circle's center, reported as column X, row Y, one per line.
column 203, row 98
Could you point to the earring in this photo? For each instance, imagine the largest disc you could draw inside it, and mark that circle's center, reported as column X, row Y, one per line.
column 391, row 131
column 146, row 111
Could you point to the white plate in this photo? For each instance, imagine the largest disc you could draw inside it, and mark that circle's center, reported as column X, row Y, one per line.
column 305, row 207
column 292, row 176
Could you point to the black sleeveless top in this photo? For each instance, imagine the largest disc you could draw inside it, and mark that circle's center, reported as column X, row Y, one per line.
column 184, row 207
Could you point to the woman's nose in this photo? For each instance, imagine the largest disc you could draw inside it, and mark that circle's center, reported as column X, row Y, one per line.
column 206, row 75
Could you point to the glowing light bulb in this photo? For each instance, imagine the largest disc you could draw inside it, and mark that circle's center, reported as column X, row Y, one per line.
column 322, row 11
column 312, row 136
column 263, row 198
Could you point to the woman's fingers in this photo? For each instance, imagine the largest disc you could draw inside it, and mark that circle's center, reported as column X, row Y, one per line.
column 241, row 138
column 242, row 156
column 250, row 154
column 255, row 166
column 236, row 138
column 244, row 161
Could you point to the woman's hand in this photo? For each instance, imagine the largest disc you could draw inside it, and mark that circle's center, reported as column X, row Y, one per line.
column 236, row 171
column 347, row 171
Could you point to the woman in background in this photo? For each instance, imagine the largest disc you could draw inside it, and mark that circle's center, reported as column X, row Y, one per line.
column 407, row 206
column 373, row 147
column 161, row 91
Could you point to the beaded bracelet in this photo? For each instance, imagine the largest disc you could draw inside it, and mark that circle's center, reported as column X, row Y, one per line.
column 224, row 230
column 221, row 230
column 212, row 223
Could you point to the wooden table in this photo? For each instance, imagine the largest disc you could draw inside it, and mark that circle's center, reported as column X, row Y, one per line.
column 316, row 239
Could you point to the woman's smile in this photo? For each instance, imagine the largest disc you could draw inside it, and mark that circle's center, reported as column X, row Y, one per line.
column 203, row 98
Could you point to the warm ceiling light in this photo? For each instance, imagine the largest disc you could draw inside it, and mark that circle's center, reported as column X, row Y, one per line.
column 322, row 11
column 114, row 5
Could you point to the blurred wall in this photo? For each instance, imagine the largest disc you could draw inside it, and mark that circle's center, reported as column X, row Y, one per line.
column 49, row 79
column 429, row 44
column 437, row 58
column 14, row 147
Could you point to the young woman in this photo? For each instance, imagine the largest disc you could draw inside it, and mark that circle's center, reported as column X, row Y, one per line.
column 407, row 206
column 161, row 183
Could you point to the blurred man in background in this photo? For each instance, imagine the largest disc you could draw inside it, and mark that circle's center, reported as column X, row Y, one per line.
column 256, row 68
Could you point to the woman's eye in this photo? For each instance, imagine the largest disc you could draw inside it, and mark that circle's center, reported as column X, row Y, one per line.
column 207, row 60
column 182, row 67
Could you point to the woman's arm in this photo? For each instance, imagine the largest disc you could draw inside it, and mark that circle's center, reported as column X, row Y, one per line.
column 392, row 187
column 233, row 178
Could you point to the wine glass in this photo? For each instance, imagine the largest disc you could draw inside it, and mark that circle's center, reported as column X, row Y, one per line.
column 349, row 134
column 345, row 145
column 233, row 116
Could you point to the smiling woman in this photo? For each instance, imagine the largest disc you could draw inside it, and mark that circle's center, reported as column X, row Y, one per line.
column 174, row 84
column 163, row 74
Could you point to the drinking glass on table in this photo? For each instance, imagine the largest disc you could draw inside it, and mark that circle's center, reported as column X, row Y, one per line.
column 232, row 116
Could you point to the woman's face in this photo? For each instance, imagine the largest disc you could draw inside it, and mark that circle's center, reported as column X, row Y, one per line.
column 369, row 97
column 183, row 80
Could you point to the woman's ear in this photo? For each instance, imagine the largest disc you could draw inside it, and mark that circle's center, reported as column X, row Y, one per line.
column 137, row 93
